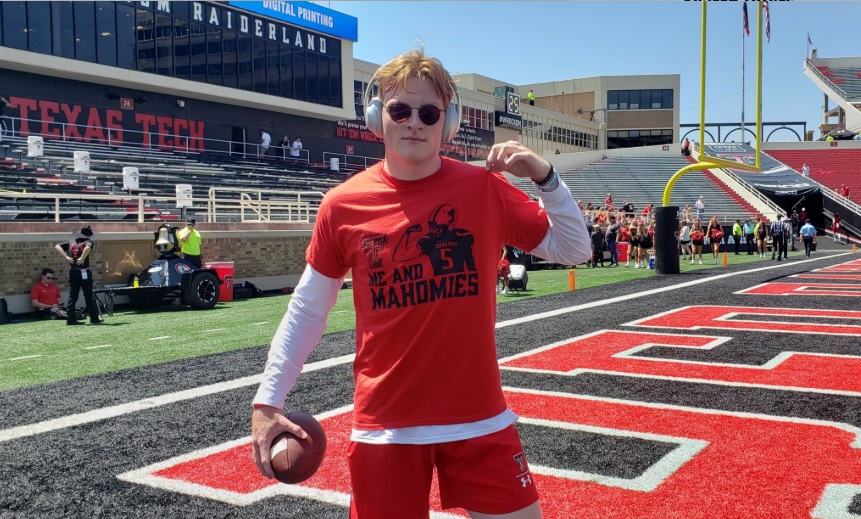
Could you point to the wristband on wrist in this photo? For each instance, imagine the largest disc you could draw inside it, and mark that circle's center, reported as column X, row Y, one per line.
column 548, row 178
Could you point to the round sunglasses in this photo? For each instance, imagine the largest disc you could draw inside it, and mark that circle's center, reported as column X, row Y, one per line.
column 400, row 112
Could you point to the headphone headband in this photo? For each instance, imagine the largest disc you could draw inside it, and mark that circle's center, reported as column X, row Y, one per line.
column 374, row 111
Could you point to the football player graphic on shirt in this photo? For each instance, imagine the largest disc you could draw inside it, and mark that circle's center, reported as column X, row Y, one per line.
column 448, row 248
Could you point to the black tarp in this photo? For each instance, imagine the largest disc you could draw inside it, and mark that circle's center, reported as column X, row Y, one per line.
column 775, row 179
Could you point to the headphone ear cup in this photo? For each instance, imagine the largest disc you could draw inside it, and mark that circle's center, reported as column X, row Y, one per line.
column 452, row 123
column 374, row 117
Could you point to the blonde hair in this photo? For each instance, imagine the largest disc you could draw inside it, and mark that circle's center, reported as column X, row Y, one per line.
column 394, row 75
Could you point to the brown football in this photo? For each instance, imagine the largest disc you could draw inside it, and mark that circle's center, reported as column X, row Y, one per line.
column 295, row 460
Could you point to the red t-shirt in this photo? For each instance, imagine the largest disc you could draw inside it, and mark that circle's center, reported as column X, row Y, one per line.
column 45, row 294
column 423, row 256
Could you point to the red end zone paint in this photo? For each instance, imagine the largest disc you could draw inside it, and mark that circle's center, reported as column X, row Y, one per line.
column 612, row 351
column 753, row 467
column 745, row 318
column 743, row 466
column 851, row 277
column 801, row 289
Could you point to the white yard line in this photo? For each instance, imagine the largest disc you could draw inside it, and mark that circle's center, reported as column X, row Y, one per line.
column 104, row 413
column 27, row 357
column 159, row 338
column 213, row 330
column 97, row 347
column 262, row 322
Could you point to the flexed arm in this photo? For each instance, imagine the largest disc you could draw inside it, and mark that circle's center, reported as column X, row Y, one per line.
column 408, row 247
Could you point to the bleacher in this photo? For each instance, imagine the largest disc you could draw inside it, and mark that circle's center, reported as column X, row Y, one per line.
column 829, row 167
column 641, row 181
column 846, row 80
column 159, row 173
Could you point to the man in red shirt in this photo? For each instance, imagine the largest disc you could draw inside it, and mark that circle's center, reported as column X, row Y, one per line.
column 45, row 297
column 422, row 234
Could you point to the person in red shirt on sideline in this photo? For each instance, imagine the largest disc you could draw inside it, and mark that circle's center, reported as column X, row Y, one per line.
column 423, row 233
column 646, row 212
column 45, row 297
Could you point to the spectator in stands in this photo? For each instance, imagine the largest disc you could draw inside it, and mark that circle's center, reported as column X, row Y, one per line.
column 844, row 191
column 647, row 212
column 697, row 240
column 265, row 141
column 580, row 204
column 629, row 209
column 609, row 202
column 77, row 253
column 805, row 170
column 685, row 240
column 296, row 148
column 835, row 228
column 45, row 297
column 686, row 148
column 737, row 233
column 589, row 206
column 285, row 146
column 808, row 235
column 611, row 237
column 531, row 98
column 701, row 207
column 189, row 242
column 503, row 270
column 749, row 235
column 761, row 236
column 430, row 208
column 715, row 233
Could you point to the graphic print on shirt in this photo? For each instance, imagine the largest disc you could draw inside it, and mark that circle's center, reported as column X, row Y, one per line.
column 448, row 249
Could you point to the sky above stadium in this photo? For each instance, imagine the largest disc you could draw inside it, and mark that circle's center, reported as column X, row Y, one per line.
column 534, row 42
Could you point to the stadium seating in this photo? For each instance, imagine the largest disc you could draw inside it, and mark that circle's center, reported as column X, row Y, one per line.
column 159, row 173
column 845, row 79
column 830, row 167
column 641, row 181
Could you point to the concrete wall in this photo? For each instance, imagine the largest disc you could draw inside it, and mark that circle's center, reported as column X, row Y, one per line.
column 271, row 259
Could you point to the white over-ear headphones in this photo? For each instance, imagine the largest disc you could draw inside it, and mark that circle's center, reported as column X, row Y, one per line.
column 374, row 112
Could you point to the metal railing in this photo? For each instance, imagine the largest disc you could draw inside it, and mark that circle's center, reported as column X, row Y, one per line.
column 354, row 161
column 752, row 190
column 187, row 145
column 260, row 210
column 252, row 206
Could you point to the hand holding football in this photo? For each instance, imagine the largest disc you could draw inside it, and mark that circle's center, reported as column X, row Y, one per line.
column 294, row 460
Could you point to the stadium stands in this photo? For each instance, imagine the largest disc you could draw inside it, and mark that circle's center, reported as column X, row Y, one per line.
column 641, row 181
column 159, row 173
column 846, row 80
column 829, row 167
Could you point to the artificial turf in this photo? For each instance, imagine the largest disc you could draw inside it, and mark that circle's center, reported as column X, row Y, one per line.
column 45, row 351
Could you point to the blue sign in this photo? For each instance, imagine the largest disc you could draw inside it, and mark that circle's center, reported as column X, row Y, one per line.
column 308, row 15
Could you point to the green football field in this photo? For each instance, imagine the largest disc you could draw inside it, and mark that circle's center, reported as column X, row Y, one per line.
column 35, row 352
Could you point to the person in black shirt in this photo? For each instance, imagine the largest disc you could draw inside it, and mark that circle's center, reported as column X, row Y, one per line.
column 77, row 253
column 628, row 209
column 611, row 237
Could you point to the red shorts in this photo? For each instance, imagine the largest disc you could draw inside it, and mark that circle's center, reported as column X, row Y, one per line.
column 488, row 474
column 503, row 269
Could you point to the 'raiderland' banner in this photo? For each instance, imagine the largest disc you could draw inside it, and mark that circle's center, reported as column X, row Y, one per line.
column 775, row 178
